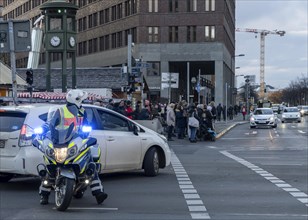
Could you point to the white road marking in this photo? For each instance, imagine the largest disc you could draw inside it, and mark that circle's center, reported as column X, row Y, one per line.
column 212, row 147
column 300, row 196
column 291, row 189
column 195, row 205
column 302, row 132
column 91, row 208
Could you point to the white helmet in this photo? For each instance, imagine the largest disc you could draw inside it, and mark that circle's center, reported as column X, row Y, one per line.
column 76, row 96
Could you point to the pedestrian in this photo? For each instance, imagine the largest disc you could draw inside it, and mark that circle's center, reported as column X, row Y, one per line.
column 193, row 130
column 128, row 109
column 145, row 113
column 120, row 107
column 244, row 111
column 230, row 112
column 218, row 111
column 170, row 120
column 110, row 104
column 224, row 112
column 181, row 121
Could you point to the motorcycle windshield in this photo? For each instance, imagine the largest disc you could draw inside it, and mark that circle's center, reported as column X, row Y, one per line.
column 64, row 135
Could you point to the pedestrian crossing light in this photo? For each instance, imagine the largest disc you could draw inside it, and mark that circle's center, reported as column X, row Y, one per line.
column 29, row 78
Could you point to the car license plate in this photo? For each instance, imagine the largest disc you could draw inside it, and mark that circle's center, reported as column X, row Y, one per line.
column 2, row 143
column 262, row 122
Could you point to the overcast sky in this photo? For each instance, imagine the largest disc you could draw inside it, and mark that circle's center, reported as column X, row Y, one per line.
column 285, row 57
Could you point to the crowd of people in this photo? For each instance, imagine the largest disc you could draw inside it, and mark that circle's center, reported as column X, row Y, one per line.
column 175, row 117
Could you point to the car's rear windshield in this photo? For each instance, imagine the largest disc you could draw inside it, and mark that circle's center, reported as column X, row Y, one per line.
column 263, row 112
column 291, row 110
column 11, row 121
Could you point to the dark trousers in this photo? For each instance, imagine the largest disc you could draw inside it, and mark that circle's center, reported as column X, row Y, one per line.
column 170, row 131
column 181, row 132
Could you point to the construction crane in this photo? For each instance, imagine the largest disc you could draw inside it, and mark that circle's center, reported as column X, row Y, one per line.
column 262, row 33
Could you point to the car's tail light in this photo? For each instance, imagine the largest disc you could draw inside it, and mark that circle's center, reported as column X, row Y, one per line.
column 25, row 137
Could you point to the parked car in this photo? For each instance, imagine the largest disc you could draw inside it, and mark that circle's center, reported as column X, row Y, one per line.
column 275, row 107
column 303, row 110
column 263, row 117
column 290, row 114
column 125, row 145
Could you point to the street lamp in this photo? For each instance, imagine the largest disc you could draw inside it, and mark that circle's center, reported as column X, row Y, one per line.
column 232, row 82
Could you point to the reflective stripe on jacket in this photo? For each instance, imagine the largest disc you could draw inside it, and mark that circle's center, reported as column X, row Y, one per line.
column 67, row 118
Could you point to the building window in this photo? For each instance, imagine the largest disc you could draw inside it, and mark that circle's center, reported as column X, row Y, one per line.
column 119, row 11
column 101, row 17
column 127, row 8
column 113, row 40
column 113, row 13
column 173, row 6
column 173, row 34
column 94, row 19
column 101, row 43
column 209, row 33
column 152, row 34
column 90, row 21
column 153, row 5
column 191, row 5
column 90, row 45
column 191, row 33
column 106, row 15
column 107, row 43
column 119, row 39
column 154, row 69
column 209, row 5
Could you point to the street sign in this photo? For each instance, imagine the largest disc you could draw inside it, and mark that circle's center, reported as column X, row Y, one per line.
column 142, row 65
column 21, row 36
column 136, row 71
column 171, row 79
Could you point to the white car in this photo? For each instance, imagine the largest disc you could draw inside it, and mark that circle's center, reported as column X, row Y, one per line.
column 291, row 114
column 125, row 145
column 263, row 117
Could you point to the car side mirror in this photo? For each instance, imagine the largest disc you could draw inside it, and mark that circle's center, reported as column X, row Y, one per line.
column 135, row 129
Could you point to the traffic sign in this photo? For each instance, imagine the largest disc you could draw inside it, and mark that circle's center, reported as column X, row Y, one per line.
column 142, row 65
column 136, row 71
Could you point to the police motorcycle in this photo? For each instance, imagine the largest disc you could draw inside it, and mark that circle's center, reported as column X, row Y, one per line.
column 68, row 167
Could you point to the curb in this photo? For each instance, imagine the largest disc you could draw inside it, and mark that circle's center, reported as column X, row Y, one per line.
column 228, row 129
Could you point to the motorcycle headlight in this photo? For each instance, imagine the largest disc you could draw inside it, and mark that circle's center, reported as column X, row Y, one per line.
column 72, row 151
column 50, row 152
column 60, row 154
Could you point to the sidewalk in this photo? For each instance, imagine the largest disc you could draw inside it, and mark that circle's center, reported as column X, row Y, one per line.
column 221, row 127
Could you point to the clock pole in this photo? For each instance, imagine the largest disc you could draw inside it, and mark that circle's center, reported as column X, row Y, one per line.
column 60, row 32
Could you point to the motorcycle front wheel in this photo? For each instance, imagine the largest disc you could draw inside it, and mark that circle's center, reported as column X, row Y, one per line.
column 64, row 193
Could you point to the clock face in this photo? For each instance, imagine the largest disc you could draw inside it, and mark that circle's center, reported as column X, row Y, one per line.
column 55, row 41
column 72, row 41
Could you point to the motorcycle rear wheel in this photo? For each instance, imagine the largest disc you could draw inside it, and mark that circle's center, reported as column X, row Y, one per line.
column 64, row 193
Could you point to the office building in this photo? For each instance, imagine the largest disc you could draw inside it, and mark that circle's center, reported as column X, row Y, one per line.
column 190, row 37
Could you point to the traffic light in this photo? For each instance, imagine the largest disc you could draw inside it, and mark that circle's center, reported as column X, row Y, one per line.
column 29, row 78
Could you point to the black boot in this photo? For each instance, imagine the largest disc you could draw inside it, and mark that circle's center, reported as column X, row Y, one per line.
column 44, row 199
column 101, row 197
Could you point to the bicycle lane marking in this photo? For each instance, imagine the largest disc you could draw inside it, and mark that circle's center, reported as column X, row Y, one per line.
column 296, row 193
column 194, row 203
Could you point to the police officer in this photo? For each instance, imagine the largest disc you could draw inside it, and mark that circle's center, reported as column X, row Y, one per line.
column 64, row 116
